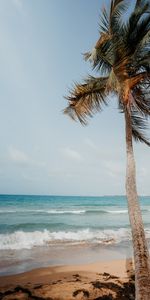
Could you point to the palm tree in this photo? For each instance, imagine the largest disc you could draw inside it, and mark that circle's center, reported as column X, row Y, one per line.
column 122, row 56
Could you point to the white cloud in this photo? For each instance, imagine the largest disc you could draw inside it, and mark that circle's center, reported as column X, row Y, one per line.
column 71, row 154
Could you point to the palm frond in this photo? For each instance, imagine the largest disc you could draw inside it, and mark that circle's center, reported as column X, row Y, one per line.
column 101, row 56
column 116, row 10
column 137, row 27
column 141, row 56
column 87, row 98
column 122, row 55
column 141, row 100
column 140, row 3
column 140, row 31
column 114, row 4
column 104, row 57
column 106, row 19
column 137, row 15
column 115, row 16
column 146, row 39
column 139, row 120
column 104, row 22
column 138, row 128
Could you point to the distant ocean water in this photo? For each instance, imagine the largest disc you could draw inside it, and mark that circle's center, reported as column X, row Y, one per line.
column 32, row 222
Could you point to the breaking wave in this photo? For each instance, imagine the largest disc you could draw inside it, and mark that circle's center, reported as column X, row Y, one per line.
column 28, row 240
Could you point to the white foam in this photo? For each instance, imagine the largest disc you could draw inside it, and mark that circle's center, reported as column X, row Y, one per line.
column 66, row 211
column 125, row 211
column 28, row 240
column 57, row 211
column 23, row 240
column 52, row 211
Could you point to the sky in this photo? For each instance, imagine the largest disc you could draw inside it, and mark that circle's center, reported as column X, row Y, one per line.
column 42, row 151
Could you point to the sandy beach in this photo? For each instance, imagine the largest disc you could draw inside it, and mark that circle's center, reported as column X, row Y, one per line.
column 65, row 248
column 101, row 280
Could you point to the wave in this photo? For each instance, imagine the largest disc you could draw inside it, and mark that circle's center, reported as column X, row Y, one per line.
column 125, row 211
column 52, row 211
column 67, row 212
column 30, row 227
column 27, row 240
column 94, row 211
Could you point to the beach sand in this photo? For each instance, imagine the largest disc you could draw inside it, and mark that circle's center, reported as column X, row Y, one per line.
column 101, row 280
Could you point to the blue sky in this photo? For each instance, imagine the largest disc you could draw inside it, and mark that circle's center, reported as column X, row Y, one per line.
column 42, row 151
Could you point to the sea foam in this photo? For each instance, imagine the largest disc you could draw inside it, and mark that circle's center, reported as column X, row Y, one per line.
column 28, row 240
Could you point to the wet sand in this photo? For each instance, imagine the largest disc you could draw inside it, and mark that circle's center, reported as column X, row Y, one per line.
column 102, row 280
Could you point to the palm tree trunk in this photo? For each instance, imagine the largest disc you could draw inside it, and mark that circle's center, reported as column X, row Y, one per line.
column 141, row 254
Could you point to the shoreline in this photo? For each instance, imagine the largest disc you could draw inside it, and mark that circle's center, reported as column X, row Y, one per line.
column 71, row 281
column 18, row 261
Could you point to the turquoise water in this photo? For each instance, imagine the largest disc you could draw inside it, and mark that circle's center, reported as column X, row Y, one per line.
column 32, row 221
column 37, row 231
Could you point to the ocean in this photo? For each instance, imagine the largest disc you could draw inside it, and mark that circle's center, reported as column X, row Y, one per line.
column 40, row 230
